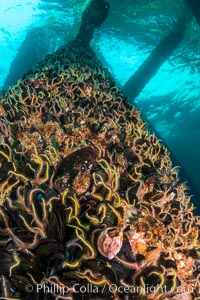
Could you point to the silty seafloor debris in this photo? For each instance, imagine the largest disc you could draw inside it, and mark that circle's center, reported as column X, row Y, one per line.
column 90, row 206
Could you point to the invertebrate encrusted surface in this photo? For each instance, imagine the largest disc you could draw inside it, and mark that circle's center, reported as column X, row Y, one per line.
column 87, row 194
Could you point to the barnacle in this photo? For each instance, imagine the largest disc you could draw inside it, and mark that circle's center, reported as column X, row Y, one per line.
column 110, row 242
column 88, row 195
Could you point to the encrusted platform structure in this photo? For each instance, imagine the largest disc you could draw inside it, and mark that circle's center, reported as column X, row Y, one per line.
column 90, row 206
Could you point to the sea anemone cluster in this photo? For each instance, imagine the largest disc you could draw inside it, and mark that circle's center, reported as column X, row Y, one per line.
column 90, row 205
